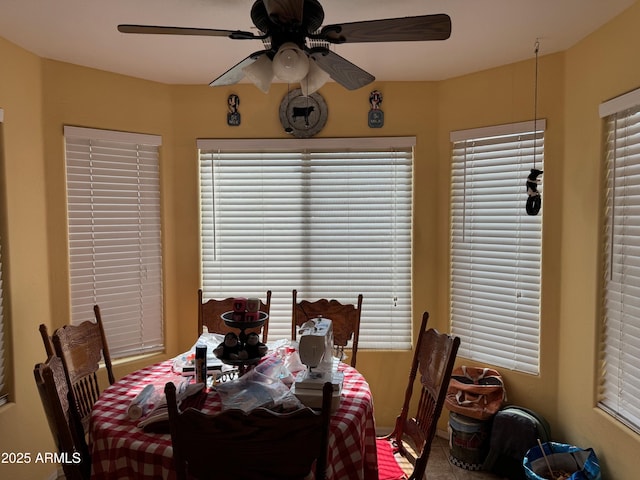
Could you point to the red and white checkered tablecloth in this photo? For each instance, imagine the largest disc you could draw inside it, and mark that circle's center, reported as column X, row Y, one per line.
column 121, row 450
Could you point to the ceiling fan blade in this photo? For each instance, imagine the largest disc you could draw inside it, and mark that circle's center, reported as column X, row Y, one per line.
column 405, row 29
column 340, row 69
column 284, row 12
column 235, row 73
column 210, row 32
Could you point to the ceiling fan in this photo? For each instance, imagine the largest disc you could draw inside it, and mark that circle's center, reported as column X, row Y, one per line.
column 296, row 45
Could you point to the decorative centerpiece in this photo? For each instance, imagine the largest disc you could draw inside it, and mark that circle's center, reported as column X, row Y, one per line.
column 242, row 349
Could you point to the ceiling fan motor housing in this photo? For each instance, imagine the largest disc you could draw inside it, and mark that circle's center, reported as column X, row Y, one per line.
column 273, row 19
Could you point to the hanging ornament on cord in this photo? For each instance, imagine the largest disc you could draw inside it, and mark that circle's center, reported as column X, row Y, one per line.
column 534, row 199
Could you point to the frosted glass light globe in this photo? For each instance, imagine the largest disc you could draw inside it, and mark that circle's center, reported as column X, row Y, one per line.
column 290, row 64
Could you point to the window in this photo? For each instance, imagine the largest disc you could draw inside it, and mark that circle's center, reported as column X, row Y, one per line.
column 115, row 251
column 3, row 350
column 328, row 217
column 619, row 391
column 496, row 246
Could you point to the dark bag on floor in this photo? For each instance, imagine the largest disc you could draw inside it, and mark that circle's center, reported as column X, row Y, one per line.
column 515, row 430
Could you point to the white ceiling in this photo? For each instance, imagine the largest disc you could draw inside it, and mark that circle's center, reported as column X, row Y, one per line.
column 485, row 34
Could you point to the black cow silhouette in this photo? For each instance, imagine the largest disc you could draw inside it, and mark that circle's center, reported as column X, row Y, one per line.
column 303, row 112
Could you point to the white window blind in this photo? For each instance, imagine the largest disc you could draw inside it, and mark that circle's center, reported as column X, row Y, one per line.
column 328, row 217
column 619, row 391
column 3, row 387
column 496, row 246
column 115, row 251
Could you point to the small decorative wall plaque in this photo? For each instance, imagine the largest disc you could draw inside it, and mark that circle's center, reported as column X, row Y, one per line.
column 376, row 116
column 233, row 116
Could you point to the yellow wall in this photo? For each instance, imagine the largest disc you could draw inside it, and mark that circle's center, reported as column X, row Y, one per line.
column 23, row 427
column 598, row 69
column 40, row 96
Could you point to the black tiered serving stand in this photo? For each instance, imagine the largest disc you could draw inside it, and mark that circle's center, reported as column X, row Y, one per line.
column 243, row 364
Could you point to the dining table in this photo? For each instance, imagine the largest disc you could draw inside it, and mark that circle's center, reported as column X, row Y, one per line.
column 121, row 449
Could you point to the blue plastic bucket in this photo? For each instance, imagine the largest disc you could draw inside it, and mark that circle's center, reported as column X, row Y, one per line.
column 582, row 464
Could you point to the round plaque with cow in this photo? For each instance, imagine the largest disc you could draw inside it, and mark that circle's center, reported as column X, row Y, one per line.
column 303, row 116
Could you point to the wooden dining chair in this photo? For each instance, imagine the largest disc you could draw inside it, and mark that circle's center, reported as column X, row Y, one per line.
column 434, row 357
column 63, row 423
column 209, row 315
column 259, row 445
column 81, row 347
column 345, row 321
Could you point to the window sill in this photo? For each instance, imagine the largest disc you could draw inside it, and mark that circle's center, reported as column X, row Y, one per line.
column 6, row 406
column 156, row 356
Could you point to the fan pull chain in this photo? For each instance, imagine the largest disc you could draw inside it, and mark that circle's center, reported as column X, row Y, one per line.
column 534, row 199
column 535, row 103
column 288, row 129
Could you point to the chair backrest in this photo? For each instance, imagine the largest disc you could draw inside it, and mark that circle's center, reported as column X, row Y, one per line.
column 46, row 339
column 81, row 347
column 65, row 426
column 345, row 319
column 209, row 315
column 434, row 357
column 259, row 445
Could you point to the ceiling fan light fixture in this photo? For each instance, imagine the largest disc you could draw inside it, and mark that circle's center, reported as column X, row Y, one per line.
column 315, row 79
column 260, row 73
column 290, row 63
column 294, row 28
